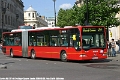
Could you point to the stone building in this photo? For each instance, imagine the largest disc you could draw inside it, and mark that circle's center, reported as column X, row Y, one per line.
column 51, row 21
column 115, row 31
column 11, row 14
column 79, row 3
column 31, row 17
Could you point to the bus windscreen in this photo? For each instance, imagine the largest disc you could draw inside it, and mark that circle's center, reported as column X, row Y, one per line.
column 93, row 38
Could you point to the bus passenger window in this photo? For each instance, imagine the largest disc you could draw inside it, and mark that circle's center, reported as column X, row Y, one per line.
column 65, row 43
column 16, row 41
column 71, row 42
column 31, row 43
column 34, row 43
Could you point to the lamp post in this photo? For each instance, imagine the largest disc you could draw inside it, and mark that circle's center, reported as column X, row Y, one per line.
column 3, row 12
column 87, row 21
column 54, row 11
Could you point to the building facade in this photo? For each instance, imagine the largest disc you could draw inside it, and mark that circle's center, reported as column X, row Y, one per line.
column 115, row 31
column 11, row 14
column 32, row 18
column 50, row 21
column 79, row 3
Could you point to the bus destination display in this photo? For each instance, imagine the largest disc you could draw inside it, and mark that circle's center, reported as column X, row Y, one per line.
column 92, row 29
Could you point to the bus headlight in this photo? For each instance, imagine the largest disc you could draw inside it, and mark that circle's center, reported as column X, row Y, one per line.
column 101, row 51
column 83, row 55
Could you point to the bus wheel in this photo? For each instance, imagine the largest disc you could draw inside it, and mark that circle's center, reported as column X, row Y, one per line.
column 11, row 54
column 63, row 56
column 33, row 56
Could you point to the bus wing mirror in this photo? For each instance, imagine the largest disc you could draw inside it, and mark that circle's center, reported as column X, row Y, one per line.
column 74, row 37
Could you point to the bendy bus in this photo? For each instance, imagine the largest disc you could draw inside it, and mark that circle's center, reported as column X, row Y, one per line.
column 69, row 43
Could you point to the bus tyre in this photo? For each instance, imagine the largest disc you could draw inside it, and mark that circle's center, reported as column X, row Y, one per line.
column 33, row 56
column 11, row 54
column 63, row 56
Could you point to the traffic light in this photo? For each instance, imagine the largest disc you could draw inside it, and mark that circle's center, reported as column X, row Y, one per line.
column 110, row 34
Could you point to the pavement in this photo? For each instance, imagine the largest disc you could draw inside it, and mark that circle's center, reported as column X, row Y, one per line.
column 117, row 58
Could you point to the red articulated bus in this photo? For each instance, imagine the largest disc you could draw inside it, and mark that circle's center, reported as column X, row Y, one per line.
column 68, row 43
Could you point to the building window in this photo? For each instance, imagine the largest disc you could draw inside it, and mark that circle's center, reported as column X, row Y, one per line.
column 5, row 19
column 49, row 23
column 52, row 22
column 8, row 6
column 33, row 15
column 8, row 20
column 28, row 14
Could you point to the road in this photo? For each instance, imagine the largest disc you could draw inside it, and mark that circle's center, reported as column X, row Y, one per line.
column 46, row 69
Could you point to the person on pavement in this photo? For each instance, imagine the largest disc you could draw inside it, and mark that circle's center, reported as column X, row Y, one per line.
column 113, row 48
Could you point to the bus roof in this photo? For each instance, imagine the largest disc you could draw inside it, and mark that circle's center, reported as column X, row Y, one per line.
column 47, row 28
column 19, row 30
column 68, row 26
column 41, row 28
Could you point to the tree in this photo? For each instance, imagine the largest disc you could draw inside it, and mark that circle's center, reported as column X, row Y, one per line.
column 60, row 18
column 101, row 13
column 65, row 17
column 69, row 17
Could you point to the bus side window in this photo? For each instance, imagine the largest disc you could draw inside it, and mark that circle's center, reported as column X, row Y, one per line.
column 34, row 42
column 65, row 43
column 11, row 42
column 31, row 42
column 71, row 42
column 16, row 41
column 52, row 43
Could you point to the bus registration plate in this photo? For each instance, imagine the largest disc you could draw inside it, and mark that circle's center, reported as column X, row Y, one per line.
column 95, row 58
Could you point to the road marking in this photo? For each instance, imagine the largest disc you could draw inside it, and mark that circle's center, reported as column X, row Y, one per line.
column 11, row 59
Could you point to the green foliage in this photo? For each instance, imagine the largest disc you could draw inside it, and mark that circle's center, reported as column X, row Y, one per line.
column 101, row 13
column 65, row 17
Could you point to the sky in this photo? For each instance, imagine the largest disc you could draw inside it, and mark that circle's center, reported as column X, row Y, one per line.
column 46, row 7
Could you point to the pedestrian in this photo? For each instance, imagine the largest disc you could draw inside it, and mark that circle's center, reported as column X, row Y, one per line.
column 113, row 44
column 118, row 43
column 109, row 48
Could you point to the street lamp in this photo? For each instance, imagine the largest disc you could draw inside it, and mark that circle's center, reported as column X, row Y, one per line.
column 54, row 11
column 3, row 12
column 87, row 21
column 86, row 14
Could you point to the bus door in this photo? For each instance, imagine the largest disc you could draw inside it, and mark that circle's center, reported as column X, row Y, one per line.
column 25, row 43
